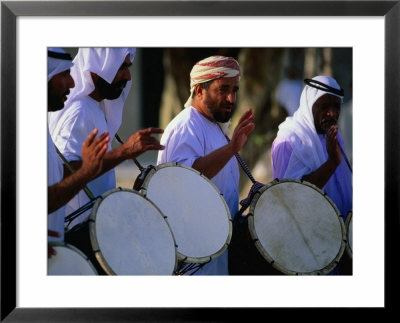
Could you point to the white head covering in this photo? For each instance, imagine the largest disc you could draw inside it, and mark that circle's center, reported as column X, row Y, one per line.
column 212, row 68
column 300, row 128
column 105, row 62
column 57, row 61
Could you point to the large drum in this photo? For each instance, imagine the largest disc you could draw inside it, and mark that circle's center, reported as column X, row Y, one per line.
column 292, row 228
column 69, row 261
column 196, row 210
column 128, row 235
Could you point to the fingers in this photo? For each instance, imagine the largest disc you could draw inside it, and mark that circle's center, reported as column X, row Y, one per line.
column 245, row 125
column 151, row 130
column 331, row 135
column 52, row 233
column 248, row 114
column 101, row 144
column 91, row 136
column 50, row 252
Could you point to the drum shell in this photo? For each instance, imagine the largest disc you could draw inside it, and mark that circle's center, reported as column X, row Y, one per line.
column 244, row 258
column 346, row 262
column 79, row 237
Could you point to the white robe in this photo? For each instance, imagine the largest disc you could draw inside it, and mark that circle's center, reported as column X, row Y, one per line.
column 72, row 128
column 54, row 175
column 188, row 137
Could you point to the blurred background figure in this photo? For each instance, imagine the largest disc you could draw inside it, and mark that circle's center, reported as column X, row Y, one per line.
column 289, row 90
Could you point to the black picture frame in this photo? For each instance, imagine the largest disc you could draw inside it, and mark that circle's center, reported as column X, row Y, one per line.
column 10, row 10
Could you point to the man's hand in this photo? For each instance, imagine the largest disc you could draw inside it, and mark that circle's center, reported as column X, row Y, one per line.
column 242, row 130
column 332, row 146
column 142, row 141
column 321, row 176
column 50, row 251
column 93, row 151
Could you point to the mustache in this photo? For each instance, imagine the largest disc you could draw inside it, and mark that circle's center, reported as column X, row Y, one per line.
column 228, row 105
column 332, row 120
column 121, row 83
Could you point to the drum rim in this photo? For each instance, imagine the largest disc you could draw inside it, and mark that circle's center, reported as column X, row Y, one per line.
column 182, row 257
column 93, row 236
column 64, row 244
column 349, row 219
column 329, row 267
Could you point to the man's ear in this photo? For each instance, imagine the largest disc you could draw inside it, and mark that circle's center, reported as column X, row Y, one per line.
column 198, row 91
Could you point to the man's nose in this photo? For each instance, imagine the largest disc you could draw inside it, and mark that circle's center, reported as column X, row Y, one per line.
column 331, row 112
column 231, row 97
column 127, row 74
column 71, row 82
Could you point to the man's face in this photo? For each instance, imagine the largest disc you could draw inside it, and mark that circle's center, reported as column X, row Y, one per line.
column 220, row 98
column 326, row 111
column 58, row 89
column 113, row 91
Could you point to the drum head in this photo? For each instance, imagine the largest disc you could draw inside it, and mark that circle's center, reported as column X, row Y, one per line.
column 349, row 233
column 195, row 209
column 297, row 228
column 130, row 235
column 69, row 261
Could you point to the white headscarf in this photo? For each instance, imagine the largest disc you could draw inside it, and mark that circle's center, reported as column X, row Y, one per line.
column 57, row 61
column 105, row 62
column 300, row 128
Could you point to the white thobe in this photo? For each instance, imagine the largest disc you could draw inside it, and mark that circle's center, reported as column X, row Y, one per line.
column 54, row 176
column 69, row 132
column 190, row 136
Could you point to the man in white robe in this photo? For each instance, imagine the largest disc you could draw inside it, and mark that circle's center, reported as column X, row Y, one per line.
column 103, row 81
column 195, row 137
column 60, row 189
column 309, row 146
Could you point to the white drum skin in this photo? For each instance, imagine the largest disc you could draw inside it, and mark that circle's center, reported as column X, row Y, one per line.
column 130, row 235
column 196, row 210
column 68, row 261
column 297, row 228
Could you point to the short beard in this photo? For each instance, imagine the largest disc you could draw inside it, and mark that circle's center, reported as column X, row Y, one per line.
column 219, row 116
column 109, row 91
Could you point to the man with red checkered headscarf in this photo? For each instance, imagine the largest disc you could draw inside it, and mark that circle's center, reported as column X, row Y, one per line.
column 196, row 137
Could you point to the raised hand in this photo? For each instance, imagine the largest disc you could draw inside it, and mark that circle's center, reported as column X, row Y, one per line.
column 332, row 146
column 93, row 150
column 142, row 141
column 244, row 127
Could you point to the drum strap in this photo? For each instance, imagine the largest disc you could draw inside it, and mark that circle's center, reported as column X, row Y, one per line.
column 72, row 216
column 141, row 168
column 346, row 159
column 256, row 185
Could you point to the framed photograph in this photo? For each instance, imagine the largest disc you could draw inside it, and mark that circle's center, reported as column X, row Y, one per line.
column 370, row 28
